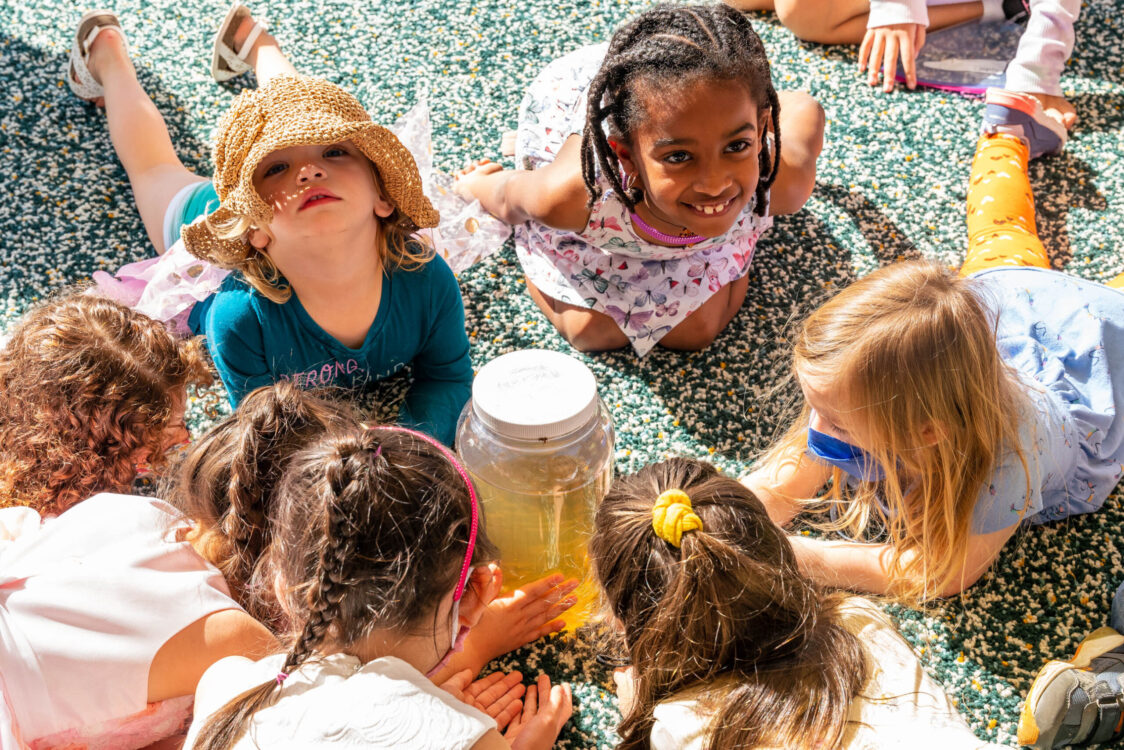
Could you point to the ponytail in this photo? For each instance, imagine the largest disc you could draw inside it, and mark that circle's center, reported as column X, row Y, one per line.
column 725, row 616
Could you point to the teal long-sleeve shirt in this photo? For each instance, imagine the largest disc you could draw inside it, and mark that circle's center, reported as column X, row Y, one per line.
column 420, row 322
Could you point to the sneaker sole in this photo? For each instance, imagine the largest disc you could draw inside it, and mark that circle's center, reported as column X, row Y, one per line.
column 1100, row 641
column 1039, row 121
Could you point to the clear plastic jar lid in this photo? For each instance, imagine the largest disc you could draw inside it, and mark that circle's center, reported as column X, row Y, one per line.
column 534, row 394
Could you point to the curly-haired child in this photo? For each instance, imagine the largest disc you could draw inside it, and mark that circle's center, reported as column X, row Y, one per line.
column 89, row 390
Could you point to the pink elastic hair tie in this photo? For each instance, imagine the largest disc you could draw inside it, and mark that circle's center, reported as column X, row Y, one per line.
column 467, row 566
column 281, row 677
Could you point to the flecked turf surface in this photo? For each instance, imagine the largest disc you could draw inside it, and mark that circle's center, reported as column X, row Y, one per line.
column 891, row 184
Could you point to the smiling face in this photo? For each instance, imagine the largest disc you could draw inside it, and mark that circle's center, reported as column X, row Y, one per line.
column 695, row 154
column 317, row 191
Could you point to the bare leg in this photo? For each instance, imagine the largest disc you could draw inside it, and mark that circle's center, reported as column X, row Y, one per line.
column 844, row 21
column 752, row 4
column 586, row 330
column 266, row 57
column 699, row 329
column 139, row 134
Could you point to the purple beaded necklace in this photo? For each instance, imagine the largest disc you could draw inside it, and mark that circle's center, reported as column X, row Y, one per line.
column 669, row 239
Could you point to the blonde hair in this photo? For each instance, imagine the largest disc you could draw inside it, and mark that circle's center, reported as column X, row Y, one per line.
column 910, row 352
column 398, row 246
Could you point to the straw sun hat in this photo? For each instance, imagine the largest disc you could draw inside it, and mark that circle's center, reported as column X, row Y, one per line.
column 296, row 111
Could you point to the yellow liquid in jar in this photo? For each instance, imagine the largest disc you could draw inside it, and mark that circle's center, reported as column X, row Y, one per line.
column 538, row 533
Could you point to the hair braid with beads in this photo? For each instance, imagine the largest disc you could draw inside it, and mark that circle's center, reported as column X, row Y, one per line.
column 672, row 44
column 388, row 493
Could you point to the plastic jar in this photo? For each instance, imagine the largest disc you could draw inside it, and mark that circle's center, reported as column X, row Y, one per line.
column 538, row 442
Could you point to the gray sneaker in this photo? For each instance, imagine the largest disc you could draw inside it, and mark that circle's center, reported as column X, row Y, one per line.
column 1080, row 701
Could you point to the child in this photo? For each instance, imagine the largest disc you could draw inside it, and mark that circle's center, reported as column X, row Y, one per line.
column 108, row 618
column 729, row 645
column 377, row 533
column 318, row 212
column 89, row 390
column 887, row 30
column 227, row 478
column 226, row 485
column 951, row 410
column 646, row 173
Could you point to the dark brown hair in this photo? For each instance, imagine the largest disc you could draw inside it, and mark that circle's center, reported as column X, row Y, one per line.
column 666, row 46
column 727, row 616
column 87, row 389
column 370, row 532
column 227, row 480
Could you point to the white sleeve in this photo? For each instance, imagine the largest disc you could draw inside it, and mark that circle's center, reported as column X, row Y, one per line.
column 678, row 726
column 887, row 12
column 16, row 522
column 1044, row 47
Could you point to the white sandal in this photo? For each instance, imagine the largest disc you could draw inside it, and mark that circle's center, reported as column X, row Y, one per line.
column 225, row 62
column 78, row 75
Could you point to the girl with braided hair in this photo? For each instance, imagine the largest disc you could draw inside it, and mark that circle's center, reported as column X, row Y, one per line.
column 377, row 537
column 226, row 485
column 646, row 172
column 725, row 644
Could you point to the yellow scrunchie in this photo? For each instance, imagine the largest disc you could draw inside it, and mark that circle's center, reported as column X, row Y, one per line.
column 672, row 517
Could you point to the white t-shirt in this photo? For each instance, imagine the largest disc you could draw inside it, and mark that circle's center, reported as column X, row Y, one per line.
column 901, row 705
column 339, row 702
column 87, row 599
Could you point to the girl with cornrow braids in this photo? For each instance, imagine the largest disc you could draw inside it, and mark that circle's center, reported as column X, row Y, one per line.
column 724, row 644
column 377, row 539
column 647, row 170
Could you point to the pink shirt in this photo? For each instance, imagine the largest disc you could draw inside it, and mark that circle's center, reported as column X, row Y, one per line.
column 86, row 601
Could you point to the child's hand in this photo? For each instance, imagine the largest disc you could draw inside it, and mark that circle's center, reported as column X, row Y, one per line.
column 483, row 587
column 881, row 48
column 496, row 695
column 545, row 710
column 524, row 615
column 471, row 181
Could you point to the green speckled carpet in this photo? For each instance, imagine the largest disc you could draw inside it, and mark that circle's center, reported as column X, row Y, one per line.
column 891, row 184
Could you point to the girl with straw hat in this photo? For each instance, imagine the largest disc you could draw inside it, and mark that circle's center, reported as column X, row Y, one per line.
column 313, row 272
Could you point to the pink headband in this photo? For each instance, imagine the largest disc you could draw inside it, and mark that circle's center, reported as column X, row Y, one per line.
column 459, row 592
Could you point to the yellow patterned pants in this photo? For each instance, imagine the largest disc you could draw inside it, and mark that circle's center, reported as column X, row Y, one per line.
column 1001, row 229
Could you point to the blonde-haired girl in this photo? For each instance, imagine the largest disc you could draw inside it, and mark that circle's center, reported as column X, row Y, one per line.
column 949, row 409
column 298, row 260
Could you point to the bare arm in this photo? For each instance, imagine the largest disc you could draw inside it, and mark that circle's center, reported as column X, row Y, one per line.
column 786, row 480
column 802, row 127
column 865, row 567
column 554, row 195
column 183, row 659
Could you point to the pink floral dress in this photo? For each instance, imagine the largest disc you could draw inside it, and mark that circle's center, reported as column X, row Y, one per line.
column 646, row 288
